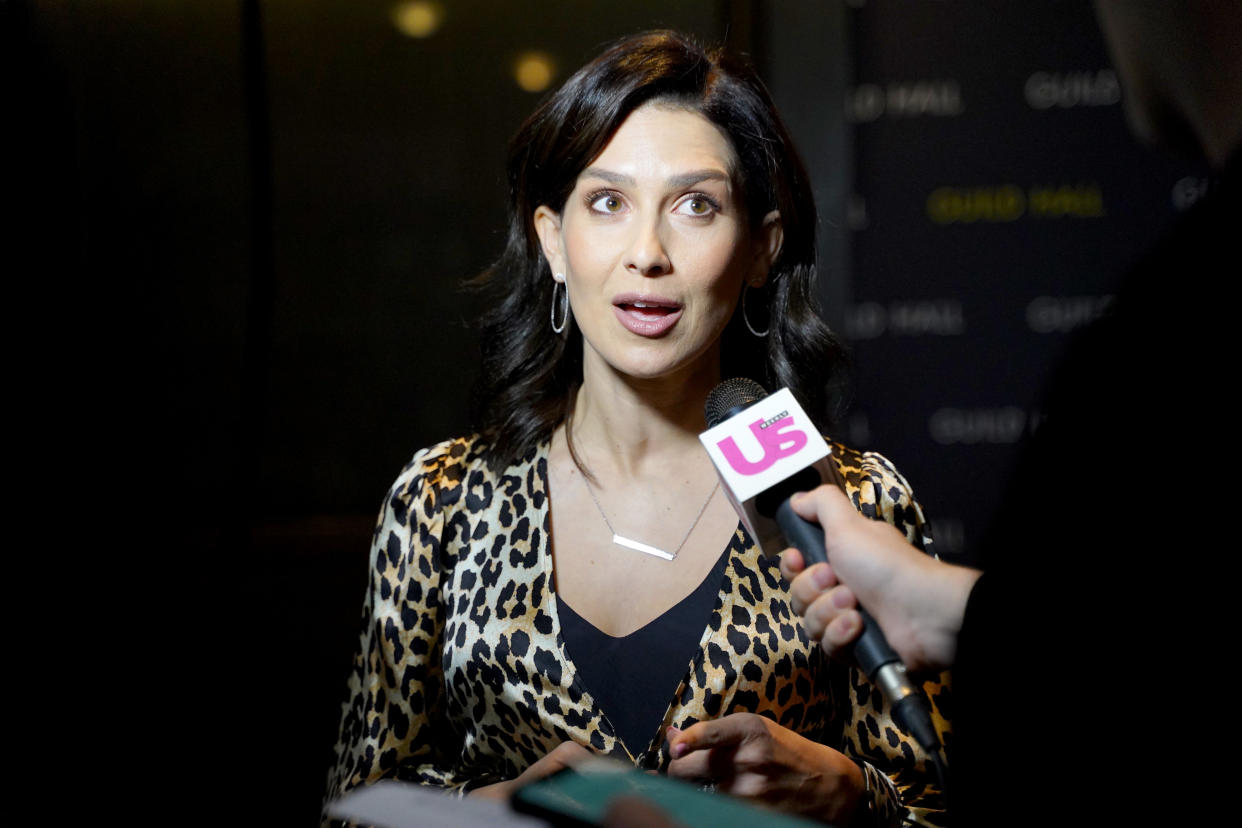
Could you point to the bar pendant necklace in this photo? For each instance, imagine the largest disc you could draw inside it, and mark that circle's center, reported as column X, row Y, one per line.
column 639, row 546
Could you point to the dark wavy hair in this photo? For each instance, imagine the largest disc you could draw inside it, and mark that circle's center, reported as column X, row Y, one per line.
column 530, row 374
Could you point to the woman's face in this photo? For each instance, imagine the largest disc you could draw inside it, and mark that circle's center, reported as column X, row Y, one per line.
column 655, row 245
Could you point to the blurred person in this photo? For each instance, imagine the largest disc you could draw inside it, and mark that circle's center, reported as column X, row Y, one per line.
column 1086, row 654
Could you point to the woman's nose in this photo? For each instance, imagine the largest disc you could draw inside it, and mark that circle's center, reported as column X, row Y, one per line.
column 647, row 254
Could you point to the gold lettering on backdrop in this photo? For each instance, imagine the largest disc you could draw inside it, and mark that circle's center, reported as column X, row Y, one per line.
column 1079, row 201
column 950, row 205
column 1009, row 202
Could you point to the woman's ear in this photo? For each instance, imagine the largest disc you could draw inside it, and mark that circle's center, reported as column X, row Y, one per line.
column 548, row 228
column 768, row 241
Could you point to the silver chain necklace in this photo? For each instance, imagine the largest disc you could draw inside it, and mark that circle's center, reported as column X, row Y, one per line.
column 630, row 543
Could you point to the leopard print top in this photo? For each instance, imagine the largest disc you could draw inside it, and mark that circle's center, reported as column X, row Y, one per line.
column 462, row 678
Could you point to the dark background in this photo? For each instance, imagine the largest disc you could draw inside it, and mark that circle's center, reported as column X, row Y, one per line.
column 249, row 223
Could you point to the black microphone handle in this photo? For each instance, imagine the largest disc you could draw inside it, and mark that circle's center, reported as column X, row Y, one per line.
column 871, row 649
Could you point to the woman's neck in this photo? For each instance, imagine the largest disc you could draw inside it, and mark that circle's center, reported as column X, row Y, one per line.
column 635, row 426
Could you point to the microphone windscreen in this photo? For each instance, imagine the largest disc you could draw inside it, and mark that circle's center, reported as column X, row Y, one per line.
column 729, row 397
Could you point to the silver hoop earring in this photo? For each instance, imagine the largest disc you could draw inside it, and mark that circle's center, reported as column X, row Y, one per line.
column 560, row 283
column 746, row 319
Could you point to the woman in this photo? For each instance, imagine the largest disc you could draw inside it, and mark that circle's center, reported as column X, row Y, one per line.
column 571, row 579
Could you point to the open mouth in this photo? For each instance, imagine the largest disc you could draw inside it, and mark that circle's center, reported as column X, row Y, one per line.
column 647, row 315
column 648, row 310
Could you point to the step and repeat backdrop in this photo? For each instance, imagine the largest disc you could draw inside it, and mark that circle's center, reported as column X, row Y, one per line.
column 997, row 198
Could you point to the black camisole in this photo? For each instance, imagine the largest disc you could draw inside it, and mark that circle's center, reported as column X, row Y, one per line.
column 633, row 678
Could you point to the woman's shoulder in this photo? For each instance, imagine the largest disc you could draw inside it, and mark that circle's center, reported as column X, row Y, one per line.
column 435, row 472
column 869, row 468
column 440, row 474
column 880, row 491
column 446, row 459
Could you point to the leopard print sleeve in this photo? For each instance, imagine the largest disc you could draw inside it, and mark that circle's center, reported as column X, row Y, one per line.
column 391, row 726
column 880, row 492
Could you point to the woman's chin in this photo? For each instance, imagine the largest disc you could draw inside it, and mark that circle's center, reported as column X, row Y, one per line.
column 653, row 360
column 662, row 369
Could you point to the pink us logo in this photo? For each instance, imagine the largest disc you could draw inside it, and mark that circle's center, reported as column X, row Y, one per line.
column 778, row 437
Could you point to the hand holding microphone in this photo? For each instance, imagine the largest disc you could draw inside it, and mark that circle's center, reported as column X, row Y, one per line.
column 766, row 450
column 918, row 600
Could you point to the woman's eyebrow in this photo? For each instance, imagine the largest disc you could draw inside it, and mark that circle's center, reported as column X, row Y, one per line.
column 611, row 177
column 676, row 182
column 687, row 179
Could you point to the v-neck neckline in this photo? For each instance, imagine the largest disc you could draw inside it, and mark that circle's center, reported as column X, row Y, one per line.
column 664, row 615
column 553, row 610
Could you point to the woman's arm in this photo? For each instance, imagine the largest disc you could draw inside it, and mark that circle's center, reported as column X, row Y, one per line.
column 393, row 725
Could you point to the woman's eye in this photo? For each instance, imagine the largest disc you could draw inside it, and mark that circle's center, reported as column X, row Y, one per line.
column 696, row 207
column 606, row 204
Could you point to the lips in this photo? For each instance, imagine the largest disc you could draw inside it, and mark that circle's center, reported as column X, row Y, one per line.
column 646, row 315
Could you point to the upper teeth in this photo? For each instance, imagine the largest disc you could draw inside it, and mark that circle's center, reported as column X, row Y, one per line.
column 643, row 305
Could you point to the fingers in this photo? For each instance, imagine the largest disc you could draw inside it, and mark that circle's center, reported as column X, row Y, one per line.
column 791, row 563
column 728, row 730
column 685, row 764
column 564, row 755
column 715, row 764
column 809, row 585
column 682, row 766
column 568, row 754
column 834, row 621
column 823, row 505
column 708, row 750
column 832, row 618
column 827, row 607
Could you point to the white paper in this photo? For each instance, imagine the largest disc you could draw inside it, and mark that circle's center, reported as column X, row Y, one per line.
column 391, row 804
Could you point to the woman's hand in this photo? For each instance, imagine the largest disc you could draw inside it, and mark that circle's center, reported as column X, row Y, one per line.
column 750, row 756
column 564, row 755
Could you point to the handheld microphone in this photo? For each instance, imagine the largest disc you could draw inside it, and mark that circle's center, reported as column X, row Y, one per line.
column 766, row 449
